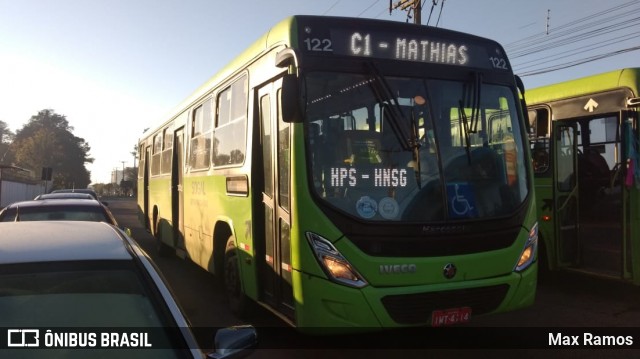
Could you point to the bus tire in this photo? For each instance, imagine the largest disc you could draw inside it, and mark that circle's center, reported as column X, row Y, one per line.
column 163, row 249
column 236, row 299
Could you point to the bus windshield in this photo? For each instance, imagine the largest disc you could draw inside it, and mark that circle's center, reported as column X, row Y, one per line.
column 414, row 149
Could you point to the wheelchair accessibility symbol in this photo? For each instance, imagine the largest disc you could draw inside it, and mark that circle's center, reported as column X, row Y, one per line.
column 461, row 200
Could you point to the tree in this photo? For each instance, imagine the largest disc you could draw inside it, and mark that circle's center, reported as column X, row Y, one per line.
column 47, row 141
column 6, row 137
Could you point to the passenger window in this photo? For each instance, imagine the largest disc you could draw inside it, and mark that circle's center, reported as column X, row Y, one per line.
column 231, row 125
column 200, row 149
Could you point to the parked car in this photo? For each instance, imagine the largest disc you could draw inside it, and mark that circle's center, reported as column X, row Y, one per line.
column 88, row 277
column 57, row 209
column 64, row 195
column 88, row 191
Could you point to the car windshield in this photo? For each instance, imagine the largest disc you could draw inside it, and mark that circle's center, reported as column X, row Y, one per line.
column 55, row 213
column 414, row 149
column 100, row 294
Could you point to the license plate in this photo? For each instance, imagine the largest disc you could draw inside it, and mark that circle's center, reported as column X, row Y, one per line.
column 451, row 316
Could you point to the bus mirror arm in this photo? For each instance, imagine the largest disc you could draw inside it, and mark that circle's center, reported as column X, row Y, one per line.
column 286, row 58
column 633, row 102
column 292, row 108
column 523, row 103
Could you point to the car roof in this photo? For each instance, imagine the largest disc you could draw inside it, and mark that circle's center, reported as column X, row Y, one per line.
column 67, row 202
column 65, row 195
column 75, row 190
column 47, row 241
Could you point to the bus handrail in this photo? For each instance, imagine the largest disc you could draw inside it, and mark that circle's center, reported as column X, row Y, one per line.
column 566, row 202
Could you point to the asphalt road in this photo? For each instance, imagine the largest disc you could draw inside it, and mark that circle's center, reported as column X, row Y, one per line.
column 568, row 303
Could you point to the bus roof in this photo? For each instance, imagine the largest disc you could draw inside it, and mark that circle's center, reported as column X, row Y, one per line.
column 285, row 33
column 627, row 77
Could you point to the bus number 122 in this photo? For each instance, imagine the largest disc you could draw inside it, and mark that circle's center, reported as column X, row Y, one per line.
column 318, row 44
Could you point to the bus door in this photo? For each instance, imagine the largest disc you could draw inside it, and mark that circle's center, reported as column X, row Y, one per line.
column 566, row 194
column 272, row 171
column 624, row 178
column 145, row 185
column 177, row 194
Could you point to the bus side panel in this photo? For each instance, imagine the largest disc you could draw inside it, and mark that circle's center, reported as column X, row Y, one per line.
column 208, row 204
column 160, row 208
column 201, row 206
column 546, row 222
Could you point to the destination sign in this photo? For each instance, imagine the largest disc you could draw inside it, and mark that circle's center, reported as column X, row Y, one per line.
column 339, row 177
column 411, row 49
column 415, row 46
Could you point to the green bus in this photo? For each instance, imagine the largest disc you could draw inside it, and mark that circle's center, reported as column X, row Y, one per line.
column 584, row 142
column 352, row 175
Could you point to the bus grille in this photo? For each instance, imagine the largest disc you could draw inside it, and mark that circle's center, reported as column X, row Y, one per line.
column 417, row 308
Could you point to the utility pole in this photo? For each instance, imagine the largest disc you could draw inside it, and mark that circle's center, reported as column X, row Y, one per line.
column 409, row 5
column 123, row 162
column 122, row 182
column 548, row 18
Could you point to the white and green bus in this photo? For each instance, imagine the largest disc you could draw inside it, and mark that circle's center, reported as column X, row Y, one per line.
column 585, row 154
column 352, row 174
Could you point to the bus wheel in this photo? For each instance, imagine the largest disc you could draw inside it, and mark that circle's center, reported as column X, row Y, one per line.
column 235, row 297
column 163, row 249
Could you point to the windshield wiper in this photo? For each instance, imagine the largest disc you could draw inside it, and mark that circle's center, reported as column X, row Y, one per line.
column 470, row 124
column 465, row 129
column 384, row 95
column 475, row 106
column 415, row 144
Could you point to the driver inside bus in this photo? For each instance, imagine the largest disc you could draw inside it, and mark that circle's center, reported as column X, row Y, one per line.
column 423, row 134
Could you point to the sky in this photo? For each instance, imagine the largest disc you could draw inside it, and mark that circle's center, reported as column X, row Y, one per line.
column 117, row 67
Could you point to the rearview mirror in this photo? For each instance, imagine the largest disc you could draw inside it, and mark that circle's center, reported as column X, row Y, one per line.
column 290, row 95
column 234, row 342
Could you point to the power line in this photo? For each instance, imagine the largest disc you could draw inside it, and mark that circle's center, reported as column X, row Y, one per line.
column 440, row 14
column 524, row 42
column 368, row 7
column 564, row 54
column 433, row 5
column 331, row 7
column 573, row 38
column 572, row 34
column 577, row 62
column 567, row 46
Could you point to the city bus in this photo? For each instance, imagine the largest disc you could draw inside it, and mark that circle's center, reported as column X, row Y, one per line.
column 352, row 175
column 584, row 144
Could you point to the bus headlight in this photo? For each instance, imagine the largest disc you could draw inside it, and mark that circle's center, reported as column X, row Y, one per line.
column 529, row 252
column 333, row 263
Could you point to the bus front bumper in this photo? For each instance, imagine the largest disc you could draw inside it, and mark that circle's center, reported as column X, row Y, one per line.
column 335, row 308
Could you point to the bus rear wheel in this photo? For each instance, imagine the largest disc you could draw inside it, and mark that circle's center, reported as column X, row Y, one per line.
column 236, row 299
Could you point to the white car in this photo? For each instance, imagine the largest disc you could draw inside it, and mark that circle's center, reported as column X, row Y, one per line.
column 88, row 286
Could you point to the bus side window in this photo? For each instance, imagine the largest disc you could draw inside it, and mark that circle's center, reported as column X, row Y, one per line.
column 539, row 137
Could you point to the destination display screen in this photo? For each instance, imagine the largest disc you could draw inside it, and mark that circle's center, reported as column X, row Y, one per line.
column 428, row 45
column 366, row 177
